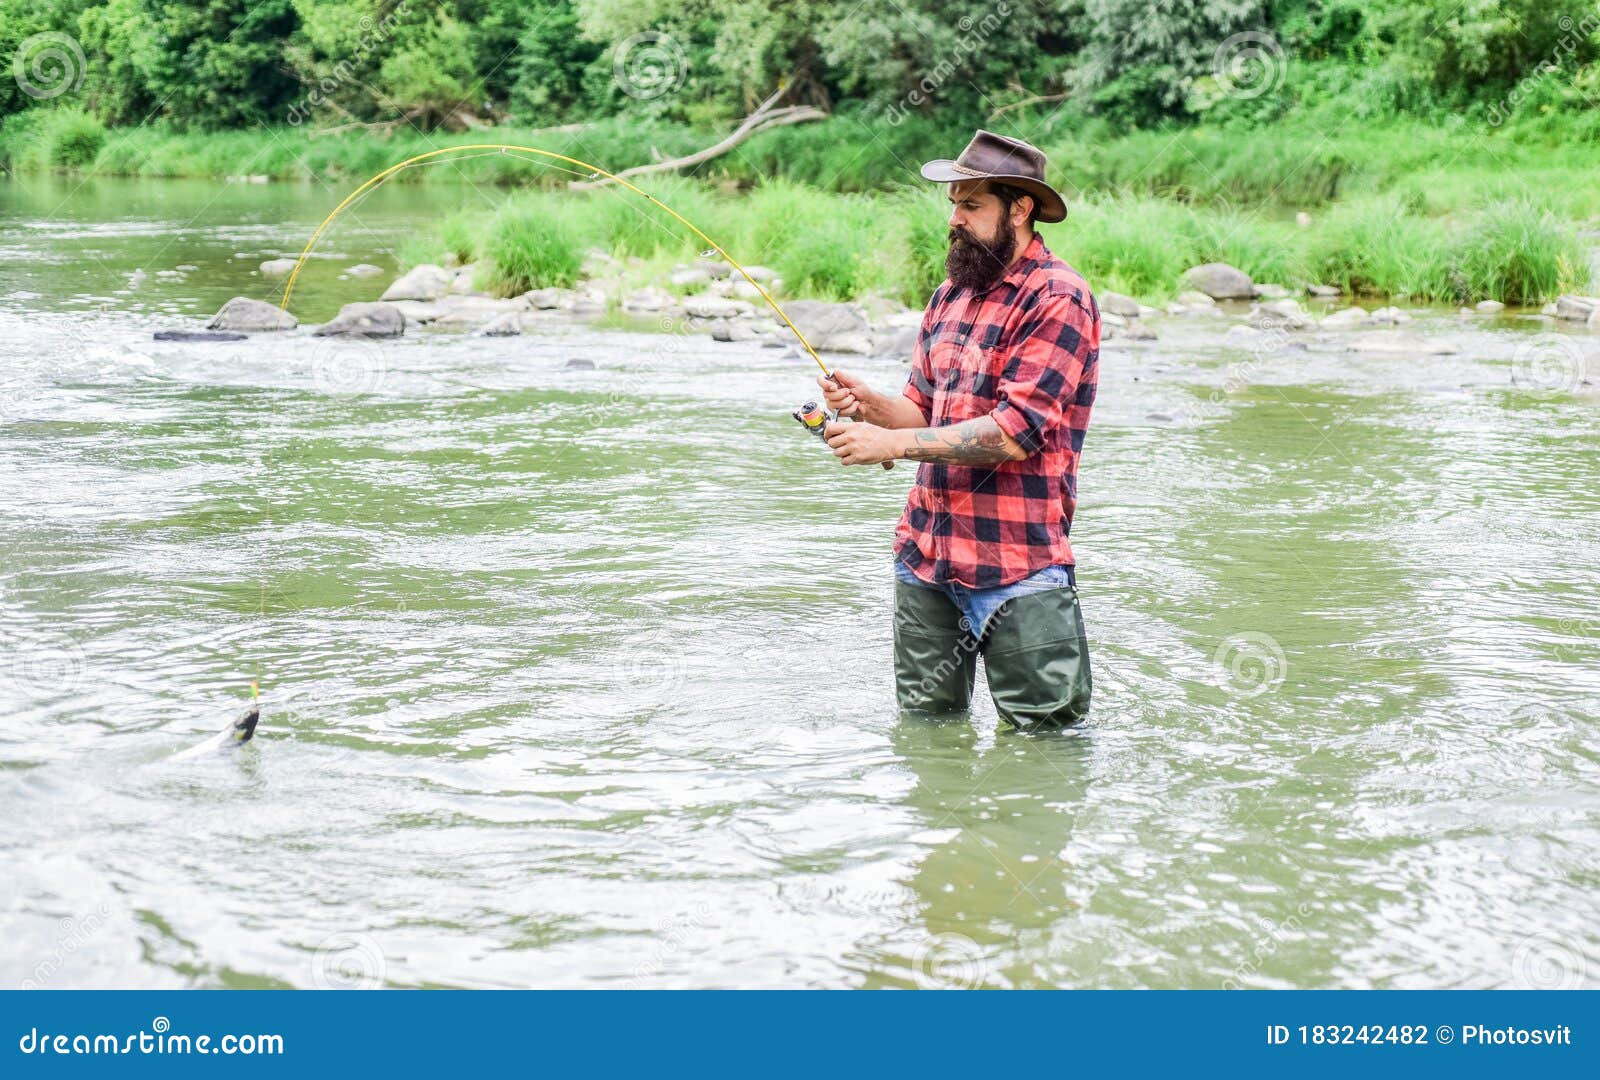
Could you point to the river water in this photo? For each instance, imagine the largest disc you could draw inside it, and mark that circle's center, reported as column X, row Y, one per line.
column 581, row 677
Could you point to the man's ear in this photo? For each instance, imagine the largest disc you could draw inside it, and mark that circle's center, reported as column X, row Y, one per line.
column 1025, row 208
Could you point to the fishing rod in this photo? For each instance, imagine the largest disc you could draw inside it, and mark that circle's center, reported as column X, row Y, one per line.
column 818, row 417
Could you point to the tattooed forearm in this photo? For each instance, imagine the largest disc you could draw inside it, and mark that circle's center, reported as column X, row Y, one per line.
column 971, row 442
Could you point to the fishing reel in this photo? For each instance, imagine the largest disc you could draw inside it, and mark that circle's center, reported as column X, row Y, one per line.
column 815, row 419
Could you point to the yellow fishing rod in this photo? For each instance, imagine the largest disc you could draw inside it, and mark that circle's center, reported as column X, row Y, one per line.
column 594, row 170
column 811, row 415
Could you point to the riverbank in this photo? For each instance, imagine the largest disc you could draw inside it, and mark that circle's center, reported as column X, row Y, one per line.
column 1406, row 213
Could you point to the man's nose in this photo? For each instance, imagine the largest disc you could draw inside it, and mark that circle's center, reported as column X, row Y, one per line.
column 955, row 218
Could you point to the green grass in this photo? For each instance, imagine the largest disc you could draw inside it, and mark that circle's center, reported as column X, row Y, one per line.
column 1439, row 212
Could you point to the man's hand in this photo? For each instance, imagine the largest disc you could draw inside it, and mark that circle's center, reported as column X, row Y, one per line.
column 849, row 396
column 863, row 444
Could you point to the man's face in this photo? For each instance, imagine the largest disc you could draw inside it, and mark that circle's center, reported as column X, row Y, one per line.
column 983, row 236
column 976, row 213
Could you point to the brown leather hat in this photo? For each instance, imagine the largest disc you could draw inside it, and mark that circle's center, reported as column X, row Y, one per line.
column 995, row 157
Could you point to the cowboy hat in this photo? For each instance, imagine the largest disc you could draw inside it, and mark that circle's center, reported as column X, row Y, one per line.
column 995, row 157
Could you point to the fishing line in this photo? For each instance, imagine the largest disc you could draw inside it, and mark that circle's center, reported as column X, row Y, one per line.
column 595, row 172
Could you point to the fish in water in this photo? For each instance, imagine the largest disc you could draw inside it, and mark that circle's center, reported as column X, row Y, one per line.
column 235, row 734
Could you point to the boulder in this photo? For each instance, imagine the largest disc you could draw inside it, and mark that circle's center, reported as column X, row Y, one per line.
column 1576, row 308
column 1324, row 290
column 647, row 300
column 1138, row 331
column 419, row 311
column 715, row 267
column 507, row 325
column 746, row 291
column 1350, row 316
column 365, row 320
column 733, row 330
column 462, row 283
column 1280, row 314
column 1269, row 291
column 687, row 277
column 895, row 342
column 364, row 270
column 709, row 306
column 1490, row 307
column 1194, row 298
column 1219, row 281
column 762, row 274
column 1111, row 318
column 1117, row 304
column 198, row 335
column 1390, row 316
column 425, row 282
column 244, row 315
column 831, row 327
column 549, row 299
column 278, row 267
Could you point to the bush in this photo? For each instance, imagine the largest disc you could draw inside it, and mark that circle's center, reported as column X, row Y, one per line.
column 1519, row 254
column 74, row 139
column 530, row 246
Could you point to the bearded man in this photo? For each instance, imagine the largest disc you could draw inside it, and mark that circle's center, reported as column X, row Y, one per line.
column 995, row 410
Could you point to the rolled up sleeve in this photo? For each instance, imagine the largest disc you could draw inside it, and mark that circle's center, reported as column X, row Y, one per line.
column 1039, row 382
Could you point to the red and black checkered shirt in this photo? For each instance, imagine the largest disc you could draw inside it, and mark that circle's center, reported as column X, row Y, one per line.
column 1027, row 352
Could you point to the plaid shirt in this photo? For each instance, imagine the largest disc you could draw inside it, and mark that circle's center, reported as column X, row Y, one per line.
column 1025, row 351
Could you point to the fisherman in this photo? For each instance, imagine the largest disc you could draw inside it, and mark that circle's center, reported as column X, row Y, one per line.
column 995, row 409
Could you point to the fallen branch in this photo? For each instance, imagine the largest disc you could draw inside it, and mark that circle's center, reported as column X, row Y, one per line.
column 762, row 119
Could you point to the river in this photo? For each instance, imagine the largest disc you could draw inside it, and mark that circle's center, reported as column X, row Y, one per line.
column 580, row 678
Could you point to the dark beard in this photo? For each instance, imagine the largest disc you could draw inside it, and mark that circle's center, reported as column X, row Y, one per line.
column 974, row 265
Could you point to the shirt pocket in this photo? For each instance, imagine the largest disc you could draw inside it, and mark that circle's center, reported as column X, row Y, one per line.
column 962, row 388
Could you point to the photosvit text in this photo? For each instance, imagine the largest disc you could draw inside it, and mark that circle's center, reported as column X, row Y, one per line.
column 1415, row 1035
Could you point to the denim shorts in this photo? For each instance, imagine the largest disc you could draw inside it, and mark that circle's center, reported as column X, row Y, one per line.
column 977, row 606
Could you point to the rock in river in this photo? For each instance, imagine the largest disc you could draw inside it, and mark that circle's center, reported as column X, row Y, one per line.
column 425, row 282
column 366, row 320
column 1219, row 281
column 831, row 327
column 242, row 314
column 198, row 335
